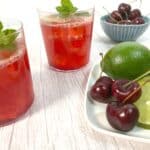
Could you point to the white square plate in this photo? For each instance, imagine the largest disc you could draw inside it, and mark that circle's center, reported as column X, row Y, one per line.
column 95, row 115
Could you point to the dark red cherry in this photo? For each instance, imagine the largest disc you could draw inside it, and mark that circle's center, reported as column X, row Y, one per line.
column 105, row 79
column 124, row 9
column 138, row 20
column 134, row 14
column 126, row 93
column 116, row 15
column 122, row 117
column 101, row 90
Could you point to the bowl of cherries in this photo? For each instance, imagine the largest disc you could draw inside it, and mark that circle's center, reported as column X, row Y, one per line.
column 124, row 24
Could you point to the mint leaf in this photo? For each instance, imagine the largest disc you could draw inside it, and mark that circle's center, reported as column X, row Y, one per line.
column 66, row 9
column 9, row 31
column 7, row 38
column 1, row 26
column 11, row 35
column 67, row 3
column 9, row 47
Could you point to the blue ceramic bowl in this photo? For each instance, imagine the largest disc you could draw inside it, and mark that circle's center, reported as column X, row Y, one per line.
column 122, row 32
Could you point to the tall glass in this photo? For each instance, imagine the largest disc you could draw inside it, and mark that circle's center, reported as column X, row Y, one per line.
column 16, row 90
column 67, row 40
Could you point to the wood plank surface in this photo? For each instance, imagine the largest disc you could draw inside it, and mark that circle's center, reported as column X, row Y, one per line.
column 56, row 120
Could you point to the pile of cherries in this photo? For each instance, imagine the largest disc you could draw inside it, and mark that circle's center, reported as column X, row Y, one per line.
column 119, row 95
column 124, row 15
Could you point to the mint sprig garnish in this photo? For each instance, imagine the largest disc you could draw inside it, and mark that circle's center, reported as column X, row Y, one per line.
column 66, row 9
column 1, row 26
column 7, row 38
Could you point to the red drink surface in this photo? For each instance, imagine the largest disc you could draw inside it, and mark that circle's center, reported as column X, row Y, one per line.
column 67, row 43
column 16, row 91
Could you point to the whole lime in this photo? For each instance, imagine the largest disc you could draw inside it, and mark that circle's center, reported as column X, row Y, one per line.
column 126, row 60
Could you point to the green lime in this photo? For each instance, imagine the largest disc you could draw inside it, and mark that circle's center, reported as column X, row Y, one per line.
column 143, row 104
column 126, row 60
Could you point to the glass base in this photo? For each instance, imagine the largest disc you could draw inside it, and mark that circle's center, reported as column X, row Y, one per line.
column 69, row 70
column 13, row 120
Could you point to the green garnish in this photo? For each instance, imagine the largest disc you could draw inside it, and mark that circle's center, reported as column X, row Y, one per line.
column 66, row 9
column 1, row 26
column 143, row 103
column 7, row 38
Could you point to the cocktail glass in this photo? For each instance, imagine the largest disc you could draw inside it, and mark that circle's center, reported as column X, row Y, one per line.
column 16, row 90
column 67, row 40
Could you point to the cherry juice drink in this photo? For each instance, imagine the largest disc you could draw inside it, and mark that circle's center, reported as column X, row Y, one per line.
column 16, row 90
column 67, row 40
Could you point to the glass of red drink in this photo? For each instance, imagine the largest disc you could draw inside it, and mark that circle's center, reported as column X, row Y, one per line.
column 67, row 40
column 16, row 90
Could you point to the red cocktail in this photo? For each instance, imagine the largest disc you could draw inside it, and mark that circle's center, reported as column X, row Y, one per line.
column 67, row 41
column 16, row 91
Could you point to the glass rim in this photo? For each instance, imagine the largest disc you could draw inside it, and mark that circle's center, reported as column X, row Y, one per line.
column 12, row 21
column 42, row 10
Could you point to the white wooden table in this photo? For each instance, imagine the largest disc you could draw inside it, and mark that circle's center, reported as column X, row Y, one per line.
column 56, row 119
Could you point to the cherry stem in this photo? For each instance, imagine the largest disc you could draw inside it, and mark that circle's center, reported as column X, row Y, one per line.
column 102, row 57
column 138, row 78
column 110, row 15
column 126, row 15
column 130, row 95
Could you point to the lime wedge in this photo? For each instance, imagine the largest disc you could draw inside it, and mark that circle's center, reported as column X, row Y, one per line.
column 143, row 104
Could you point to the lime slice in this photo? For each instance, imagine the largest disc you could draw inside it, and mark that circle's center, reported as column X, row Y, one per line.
column 143, row 104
